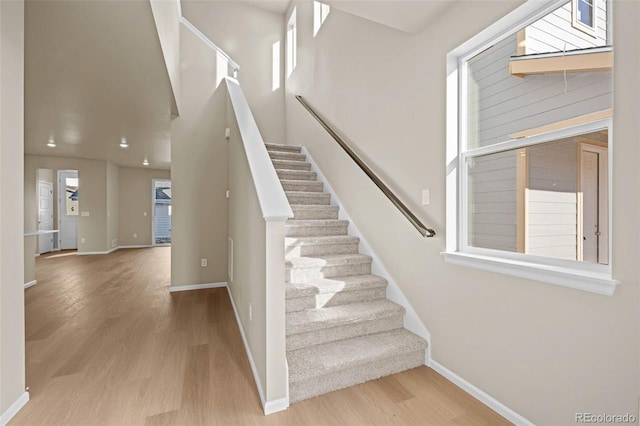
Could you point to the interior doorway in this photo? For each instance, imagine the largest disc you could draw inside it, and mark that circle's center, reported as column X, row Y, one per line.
column 161, row 208
column 68, row 209
column 45, row 216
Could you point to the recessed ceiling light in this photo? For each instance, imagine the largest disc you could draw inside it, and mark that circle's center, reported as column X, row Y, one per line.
column 123, row 143
column 145, row 162
column 51, row 143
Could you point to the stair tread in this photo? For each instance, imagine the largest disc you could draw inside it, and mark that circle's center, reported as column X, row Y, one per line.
column 335, row 316
column 297, row 165
column 315, row 222
column 320, row 240
column 313, row 207
column 308, row 363
column 326, row 260
column 280, row 147
column 334, row 285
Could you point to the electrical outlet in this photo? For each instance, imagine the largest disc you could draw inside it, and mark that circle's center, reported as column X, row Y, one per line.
column 227, row 194
column 426, row 197
column 145, row 213
column 250, row 312
column 114, row 242
column 135, row 235
column 82, row 240
column 203, row 262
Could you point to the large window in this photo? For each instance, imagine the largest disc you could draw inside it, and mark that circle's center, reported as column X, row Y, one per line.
column 292, row 43
column 529, row 161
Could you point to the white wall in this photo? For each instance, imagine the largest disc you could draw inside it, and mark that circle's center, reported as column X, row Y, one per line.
column 12, row 348
column 247, row 34
column 166, row 14
column 199, row 170
column 543, row 350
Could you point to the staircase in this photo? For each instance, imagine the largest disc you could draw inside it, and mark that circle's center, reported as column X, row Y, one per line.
column 341, row 330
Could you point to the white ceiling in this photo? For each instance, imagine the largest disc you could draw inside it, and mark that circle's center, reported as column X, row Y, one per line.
column 275, row 6
column 94, row 73
column 408, row 16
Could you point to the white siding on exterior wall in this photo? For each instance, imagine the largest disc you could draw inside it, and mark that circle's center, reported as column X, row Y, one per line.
column 501, row 104
column 551, row 200
column 556, row 33
column 492, row 200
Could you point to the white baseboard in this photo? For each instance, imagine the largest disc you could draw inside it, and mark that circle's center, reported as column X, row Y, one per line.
column 175, row 288
column 481, row 396
column 30, row 284
column 135, row 246
column 90, row 253
column 14, row 408
column 412, row 321
column 269, row 407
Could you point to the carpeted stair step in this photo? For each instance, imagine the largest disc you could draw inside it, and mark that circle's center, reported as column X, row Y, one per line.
column 318, row 326
column 334, row 291
column 321, row 245
column 314, row 212
column 291, row 165
column 324, row 368
column 306, row 198
column 284, row 148
column 308, row 269
column 296, row 175
column 314, row 228
column 301, row 185
column 286, row 155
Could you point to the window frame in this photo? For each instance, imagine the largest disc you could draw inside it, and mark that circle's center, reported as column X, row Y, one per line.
column 574, row 274
column 578, row 24
column 292, row 42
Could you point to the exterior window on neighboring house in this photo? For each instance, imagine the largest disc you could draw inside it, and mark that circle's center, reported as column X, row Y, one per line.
column 584, row 15
column 530, row 193
column 292, row 43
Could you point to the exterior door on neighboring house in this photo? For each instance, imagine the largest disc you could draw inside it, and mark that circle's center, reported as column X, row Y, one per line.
column 161, row 212
column 593, row 185
column 45, row 216
column 68, row 206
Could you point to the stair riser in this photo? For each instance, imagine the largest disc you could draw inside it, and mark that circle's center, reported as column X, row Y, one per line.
column 319, row 250
column 302, row 186
column 291, row 165
column 300, row 175
column 282, row 155
column 319, row 198
column 299, row 391
column 347, row 331
column 315, row 231
column 305, row 275
column 283, row 148
column 313, row 214
column 334, row 299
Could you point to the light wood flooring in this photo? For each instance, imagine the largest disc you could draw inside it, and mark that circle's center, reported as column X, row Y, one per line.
column 107, row 344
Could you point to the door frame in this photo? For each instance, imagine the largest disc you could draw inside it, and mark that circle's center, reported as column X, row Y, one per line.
column 603, row 200
column 61, row 211
column 153, row 213
column 51, row 205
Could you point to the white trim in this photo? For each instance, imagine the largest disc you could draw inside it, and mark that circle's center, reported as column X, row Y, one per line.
column 88, row 253
column 30, row 284
column 175, row 288
column 275, row 406
column 273, row 201
column 594, row 282
column 481, row 396
column 254, row 370
column 209, row 43
column 137, row 246
column 14, row 408
column 412, row 321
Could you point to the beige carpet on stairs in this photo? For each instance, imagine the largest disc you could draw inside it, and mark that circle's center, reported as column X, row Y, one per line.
column 341, row 329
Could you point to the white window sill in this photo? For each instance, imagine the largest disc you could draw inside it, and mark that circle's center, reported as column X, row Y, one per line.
column 594, row 282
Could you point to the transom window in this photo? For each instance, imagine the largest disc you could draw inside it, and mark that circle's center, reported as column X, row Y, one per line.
column 529, row 191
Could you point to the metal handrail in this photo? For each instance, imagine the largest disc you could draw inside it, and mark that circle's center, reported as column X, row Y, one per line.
column 426, row 232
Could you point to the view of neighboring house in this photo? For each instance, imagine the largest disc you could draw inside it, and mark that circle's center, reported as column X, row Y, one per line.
column 549, row 199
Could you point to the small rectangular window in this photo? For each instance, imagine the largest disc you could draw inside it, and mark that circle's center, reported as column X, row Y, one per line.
column 292, row 43
column 584, row 16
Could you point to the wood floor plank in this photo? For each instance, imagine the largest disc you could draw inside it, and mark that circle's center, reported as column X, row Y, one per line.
column 107, row 344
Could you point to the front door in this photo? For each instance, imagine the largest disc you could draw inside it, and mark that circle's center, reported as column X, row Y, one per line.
column 68, row 209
